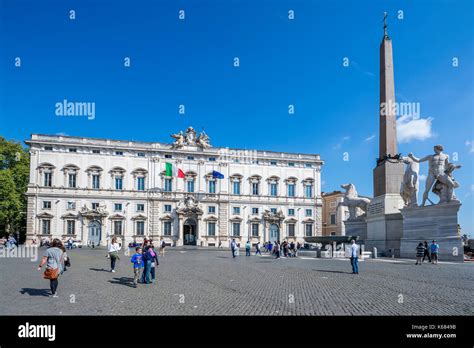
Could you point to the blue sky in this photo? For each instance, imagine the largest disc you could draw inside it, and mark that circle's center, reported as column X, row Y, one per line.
column 282, row 62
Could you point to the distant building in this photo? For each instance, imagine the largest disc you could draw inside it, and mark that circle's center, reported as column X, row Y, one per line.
column 333, row 217
column 94, row 189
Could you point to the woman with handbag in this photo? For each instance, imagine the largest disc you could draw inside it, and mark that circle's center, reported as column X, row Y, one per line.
column 54, row 260
column 114, row 248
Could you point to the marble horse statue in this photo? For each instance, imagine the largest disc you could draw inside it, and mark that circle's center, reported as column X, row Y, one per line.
column 353, row 201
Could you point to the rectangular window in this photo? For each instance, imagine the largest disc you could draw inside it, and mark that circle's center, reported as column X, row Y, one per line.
column 212, row 187
column 119, row 182
column 95, row 206
column 48, row 179
column 141, row 183
column 273, row 189
column 291, row 230
column 168, row 156
column 273, row 210
column 167, row 208
column 190, row 185
column 236, row 187
column 118, row 227
column 71, row 227
column 167, row 228
column 96, row 181
column 96, row 151
column 308, row 165
column 212, row 159
column 48, row 148
column 118, row 207
column 211, row 228
column 140, row 228
column 168, row 185
column 291, row 164
column 308, row 230
column 46, row 226
column 309, row 212
column 273, row 163
column 255, row 230
column 255, row 189
column 333, row 233
column 236, row 210
column 140, row 154
column 291, row 212
column 190, row 158
column 72, row 180
column 46, row 204
column 254, row 211
column 291, row 190
column 119, row 153
column 71, row 149
column 308, row 191
column 236, row 229
column 140, row 207
column 211, row 209
column 333, row 219
column 71, row 205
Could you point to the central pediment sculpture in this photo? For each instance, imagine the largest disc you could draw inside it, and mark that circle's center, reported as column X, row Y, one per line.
column 189, row 138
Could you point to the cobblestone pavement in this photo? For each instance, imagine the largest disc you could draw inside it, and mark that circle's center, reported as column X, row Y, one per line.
column 210, row 282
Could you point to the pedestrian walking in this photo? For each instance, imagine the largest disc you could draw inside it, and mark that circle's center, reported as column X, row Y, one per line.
column 147, row 260
column 154, row 263
column 233, row 248
column 420, row 251
column 162, row 247
column 54, row 259
column 354, row 257
column 434, row 252
column 220, row 244
column 257, row 249
column 277, row 250
column 427, row 252
column 248, row 246
column 137, row 260
column 270, row 248
column 114, row 248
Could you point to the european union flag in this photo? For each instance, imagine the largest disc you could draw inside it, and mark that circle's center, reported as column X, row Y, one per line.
column 216, row 174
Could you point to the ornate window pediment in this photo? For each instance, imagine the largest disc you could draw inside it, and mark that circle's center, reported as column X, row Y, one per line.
column 235, row 219
column 236, row 177
column 291, row 220
column 255, row 178
column 139, row 171
column 94, row 169
column 117, row 217
column 70, row 168
column 291, row 180
column 166, row 217
column 69, row 216
column 273, row 179
column 190, row 174
column 45, row 166
column 139, row 217
column 308, row 221
column 210, row 218
column 255, row 219
column 45, row 216
column 117, row 170
column 308, row 181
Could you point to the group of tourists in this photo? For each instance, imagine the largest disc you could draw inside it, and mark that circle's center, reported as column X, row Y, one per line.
column 278, row 249
column 9, row 242
column 425, row 250
column 56, row 261
column 145, row 260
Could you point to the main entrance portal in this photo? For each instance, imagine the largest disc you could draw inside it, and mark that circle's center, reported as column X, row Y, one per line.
column 274, row 233
column 189, row 232
column 94, row 232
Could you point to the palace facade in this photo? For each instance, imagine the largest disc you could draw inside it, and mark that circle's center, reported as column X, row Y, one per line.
column 92, row 189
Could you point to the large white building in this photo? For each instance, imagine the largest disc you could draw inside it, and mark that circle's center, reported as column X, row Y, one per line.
column 91, row 189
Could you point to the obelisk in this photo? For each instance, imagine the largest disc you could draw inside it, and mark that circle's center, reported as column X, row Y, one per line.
column 384, row 221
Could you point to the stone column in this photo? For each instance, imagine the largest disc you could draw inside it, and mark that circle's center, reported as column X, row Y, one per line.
column 179, row 242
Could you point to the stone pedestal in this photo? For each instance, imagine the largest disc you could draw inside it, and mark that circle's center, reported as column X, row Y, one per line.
column 435, row 222
column 356, row 227
column 384, row 224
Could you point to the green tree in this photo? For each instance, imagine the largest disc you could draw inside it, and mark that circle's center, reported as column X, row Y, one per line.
column 14, row 177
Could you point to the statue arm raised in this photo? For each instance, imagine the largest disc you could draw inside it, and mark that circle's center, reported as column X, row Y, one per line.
column 418, row 160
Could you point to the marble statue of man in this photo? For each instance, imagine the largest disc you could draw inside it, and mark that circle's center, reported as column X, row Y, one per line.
column 438, row 163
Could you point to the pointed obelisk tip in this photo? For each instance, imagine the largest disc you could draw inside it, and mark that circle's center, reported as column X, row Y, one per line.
column 385, row 31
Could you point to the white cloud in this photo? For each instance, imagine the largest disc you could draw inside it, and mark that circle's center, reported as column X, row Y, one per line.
column 470, row 145
column 413, row 128
column 341, row 142
column 370, row 138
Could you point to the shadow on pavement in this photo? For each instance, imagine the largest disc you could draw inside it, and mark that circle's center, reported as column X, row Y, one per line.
column 35, row 292
column 326, row 271
column 100, row 270
column 127, row 281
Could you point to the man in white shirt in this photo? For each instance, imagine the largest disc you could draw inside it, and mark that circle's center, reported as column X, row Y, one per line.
column 354, row 257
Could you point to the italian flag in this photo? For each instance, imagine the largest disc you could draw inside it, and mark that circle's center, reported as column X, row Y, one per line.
column 171, row 171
